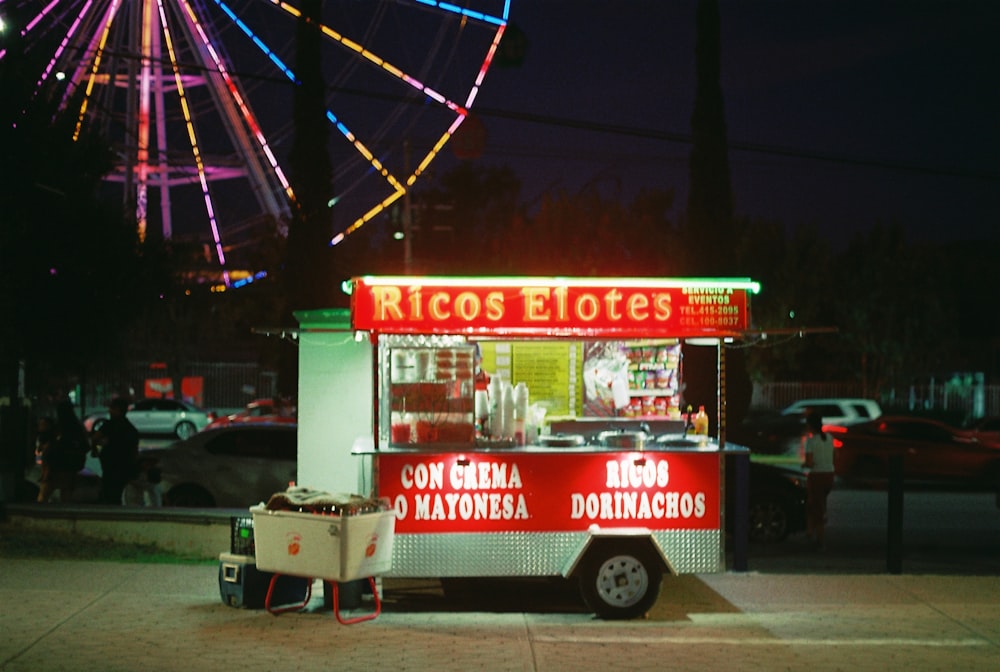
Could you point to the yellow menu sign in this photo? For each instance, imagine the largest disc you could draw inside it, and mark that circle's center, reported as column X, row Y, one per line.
column 552, row 370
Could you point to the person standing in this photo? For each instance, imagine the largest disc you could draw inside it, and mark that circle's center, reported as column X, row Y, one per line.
column 116, row 442
column 65, row 455
column 818, row 459
column 45, row 436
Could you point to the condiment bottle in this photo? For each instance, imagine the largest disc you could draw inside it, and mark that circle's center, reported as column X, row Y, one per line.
column 701, row 422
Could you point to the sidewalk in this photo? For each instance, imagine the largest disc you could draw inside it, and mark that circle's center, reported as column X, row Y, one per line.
column 86, row 615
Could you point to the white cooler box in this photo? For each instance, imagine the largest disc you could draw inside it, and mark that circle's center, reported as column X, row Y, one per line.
column 333, row 548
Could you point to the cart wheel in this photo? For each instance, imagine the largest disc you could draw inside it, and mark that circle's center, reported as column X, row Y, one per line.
column 621, row 580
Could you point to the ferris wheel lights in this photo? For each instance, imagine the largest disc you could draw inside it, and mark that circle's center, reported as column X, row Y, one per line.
column 86, row 27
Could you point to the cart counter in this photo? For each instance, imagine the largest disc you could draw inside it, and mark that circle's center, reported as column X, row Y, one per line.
column 531, row 510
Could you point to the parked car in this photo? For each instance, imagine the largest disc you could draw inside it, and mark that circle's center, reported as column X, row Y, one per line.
column 780, row 433
column 776, row 496
column 259, row 410
column 160, row 417
column 771, row 433
column 234, row 466
column 777, row 502
column 987, row 425
column 837, row 411
column 932, row 451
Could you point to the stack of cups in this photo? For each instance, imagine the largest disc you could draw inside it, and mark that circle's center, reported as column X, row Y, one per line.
column 508, row 411
column 520, row 413
column 482, row 413
column 496, row 406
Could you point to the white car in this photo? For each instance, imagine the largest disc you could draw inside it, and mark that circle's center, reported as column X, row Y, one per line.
column 837, row 411
column 160, row 417
column 234, row 466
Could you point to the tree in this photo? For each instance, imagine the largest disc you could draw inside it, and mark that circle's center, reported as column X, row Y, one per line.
column 70, row 264
column 894, row 316
column 798, row 275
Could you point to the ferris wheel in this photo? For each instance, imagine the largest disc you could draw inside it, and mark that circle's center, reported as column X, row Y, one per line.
column 196, row 97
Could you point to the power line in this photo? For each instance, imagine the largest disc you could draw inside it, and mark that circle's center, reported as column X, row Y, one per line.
column 772, row 150
column 414, row 98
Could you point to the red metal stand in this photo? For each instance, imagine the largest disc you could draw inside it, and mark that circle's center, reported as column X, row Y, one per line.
column 291, row 607
column 336, row 602
column 364, row 617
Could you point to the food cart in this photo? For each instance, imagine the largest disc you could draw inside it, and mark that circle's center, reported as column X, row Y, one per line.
column 537, row 427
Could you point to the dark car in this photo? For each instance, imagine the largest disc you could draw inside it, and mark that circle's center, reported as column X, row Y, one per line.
column 777, row 501
column 776, row 434
column 235, row 466
column 987, row 425
column 776, row 494
column 931, row 451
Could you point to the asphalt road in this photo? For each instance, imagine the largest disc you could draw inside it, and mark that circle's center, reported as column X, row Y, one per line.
column 943, row 532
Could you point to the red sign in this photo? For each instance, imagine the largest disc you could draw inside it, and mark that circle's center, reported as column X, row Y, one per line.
column 613, row 307
column 550, row 492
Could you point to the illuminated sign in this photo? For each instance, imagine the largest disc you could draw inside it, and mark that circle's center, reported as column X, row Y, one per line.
column 619, row 307
column 551, row 492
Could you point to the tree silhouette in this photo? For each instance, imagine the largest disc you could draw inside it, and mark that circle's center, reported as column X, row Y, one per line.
column 72, row 272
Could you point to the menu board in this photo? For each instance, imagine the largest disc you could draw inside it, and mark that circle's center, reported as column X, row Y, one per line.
column 552, row 371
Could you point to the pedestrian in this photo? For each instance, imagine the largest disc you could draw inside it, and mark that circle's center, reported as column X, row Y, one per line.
column 116, row 442
column 45, row 435
column 817, row 448
column 64, row 456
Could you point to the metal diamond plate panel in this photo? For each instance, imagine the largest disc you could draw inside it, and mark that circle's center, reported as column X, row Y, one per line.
column 534, row 554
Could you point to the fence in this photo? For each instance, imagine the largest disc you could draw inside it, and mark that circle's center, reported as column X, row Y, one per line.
column 227, row 386
column 961, row 402
column 223, row 386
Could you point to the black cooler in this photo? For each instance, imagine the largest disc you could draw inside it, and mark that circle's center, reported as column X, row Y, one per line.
column 241, row 584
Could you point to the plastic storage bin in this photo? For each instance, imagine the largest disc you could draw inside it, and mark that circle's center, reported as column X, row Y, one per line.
column 334, row 548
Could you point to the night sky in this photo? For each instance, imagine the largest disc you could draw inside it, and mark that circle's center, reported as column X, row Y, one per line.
column 840, row 114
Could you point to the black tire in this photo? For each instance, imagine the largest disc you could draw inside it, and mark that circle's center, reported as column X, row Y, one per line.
column 620, row 579
column 185, row 430
column 189, row 496
column 768, row 520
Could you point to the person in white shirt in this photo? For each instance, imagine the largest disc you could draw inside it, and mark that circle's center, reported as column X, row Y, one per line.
column 818, row 459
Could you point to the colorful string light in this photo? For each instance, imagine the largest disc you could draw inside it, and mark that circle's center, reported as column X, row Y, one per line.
column 93, row 20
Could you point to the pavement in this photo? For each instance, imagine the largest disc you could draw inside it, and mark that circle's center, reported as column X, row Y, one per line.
column 793, row 609
column 84, row 615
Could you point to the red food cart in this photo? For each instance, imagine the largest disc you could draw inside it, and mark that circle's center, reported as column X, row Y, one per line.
column 575, row 458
